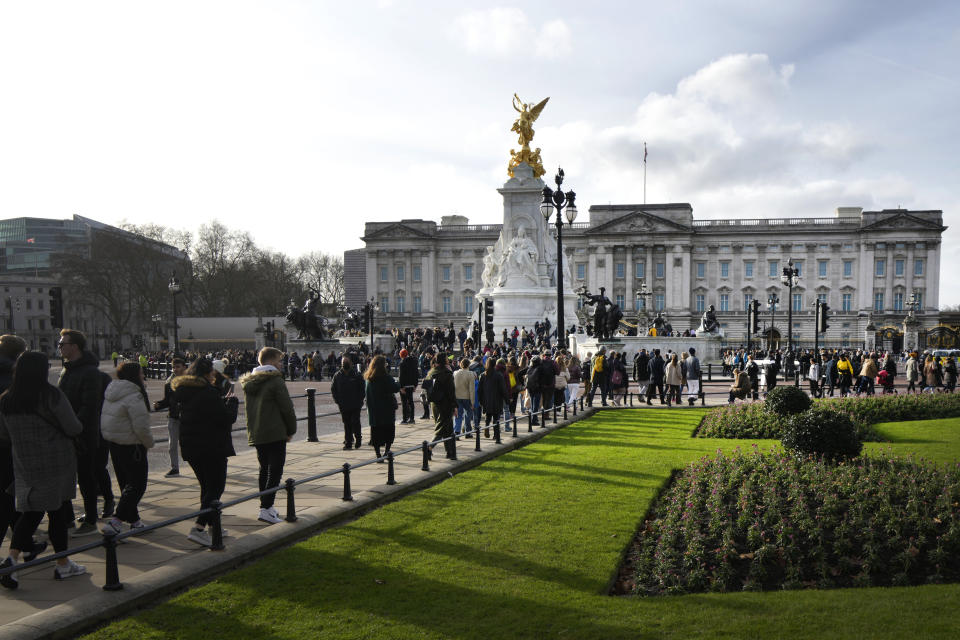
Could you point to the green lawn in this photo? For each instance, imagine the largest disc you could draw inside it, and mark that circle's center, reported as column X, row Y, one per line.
column 525, row 546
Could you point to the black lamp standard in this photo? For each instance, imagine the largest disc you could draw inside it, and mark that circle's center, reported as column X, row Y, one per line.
column 175, row 288
column 369, row 309
column 772, row 301
column 557, row 201
column 790, row 278
column 643, row 295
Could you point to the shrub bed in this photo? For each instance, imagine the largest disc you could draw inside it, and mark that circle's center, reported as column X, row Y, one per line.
column 760, row 522
column 755, row 421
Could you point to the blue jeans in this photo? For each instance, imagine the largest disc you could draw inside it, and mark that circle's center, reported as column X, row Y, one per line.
column 463, row 407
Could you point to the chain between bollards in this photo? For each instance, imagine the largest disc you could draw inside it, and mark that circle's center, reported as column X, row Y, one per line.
column 291, row 505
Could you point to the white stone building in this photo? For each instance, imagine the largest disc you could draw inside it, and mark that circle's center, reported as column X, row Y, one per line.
column 864, row 264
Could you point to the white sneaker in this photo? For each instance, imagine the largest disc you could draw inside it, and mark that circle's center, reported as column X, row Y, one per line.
column 200, row 536
column 267, row 516
column 274, row 511
column 71, row 569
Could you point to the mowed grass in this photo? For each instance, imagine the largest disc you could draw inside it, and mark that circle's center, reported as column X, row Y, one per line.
column 525, row 547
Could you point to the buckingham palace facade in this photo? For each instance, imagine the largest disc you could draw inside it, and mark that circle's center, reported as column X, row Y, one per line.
column 864, row 264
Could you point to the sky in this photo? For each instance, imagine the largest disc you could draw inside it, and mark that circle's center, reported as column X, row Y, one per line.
column 300, row 121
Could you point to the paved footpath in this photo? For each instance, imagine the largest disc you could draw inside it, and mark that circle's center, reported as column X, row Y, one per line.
column 163, row 561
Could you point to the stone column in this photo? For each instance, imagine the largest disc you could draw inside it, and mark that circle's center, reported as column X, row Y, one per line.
column 931, row 275
column 609, row 274
column 593, row 281
column 908, row 278
column 890, row 271
column 685, row 278
column 865, row 277
column 429, row 280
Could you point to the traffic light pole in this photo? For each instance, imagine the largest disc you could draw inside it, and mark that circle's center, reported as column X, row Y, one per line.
column 816, row 331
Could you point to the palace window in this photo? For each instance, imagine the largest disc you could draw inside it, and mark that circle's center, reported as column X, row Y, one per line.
column 822, row 298
column 846, row 302
column 446, row 304
column 445, row 273
column 798, row 267
column 724, row 302
column 848, row 268
column 898, row 268
column 748, row 269
column 798, row 302
column 620, row 301
column 384, row 274
column 747, row 299
column 701, row 269
column 898, row 301
column 918, row 267
column 699, row 303
column 581, row 270
column 878, row 301
column 822, row 268
column 468, row 304
column 725, row 269
column 416, row 304
column 658, row 302
column 640, row 269
column 774, row 269
column 400, row 273
column 468, row 273
column 385, row 304
column 621, row 270
column 881, row 267
column 660, row 270
column 401, row 304
column 416, row 273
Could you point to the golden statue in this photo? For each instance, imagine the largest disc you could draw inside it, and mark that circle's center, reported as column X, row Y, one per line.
column 523, row 125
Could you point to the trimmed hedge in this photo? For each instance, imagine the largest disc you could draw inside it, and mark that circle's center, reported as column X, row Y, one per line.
column 822, row 432
column 787, row 400
column 751, row 522
column 755, row 421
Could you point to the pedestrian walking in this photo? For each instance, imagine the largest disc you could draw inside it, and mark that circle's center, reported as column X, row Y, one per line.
column 464, row 381
column 38, row 423
column 493, row 393
column 271, row 424
column 125, row 424
column 347, row 390
column 380, row 394
column 409, row 378
column 80, row 382
column 443, row 402
column 168, row 402
column 205, row 440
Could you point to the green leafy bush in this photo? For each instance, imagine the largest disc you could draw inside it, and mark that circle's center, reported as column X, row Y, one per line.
column 752, row 420
column 787, row 400
column 749, row 522
column 822, row 431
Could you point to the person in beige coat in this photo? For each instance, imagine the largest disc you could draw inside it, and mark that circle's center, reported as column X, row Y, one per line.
column 674, row 377
column 125, row 424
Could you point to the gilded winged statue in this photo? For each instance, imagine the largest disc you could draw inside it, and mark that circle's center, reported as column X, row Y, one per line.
column 523, row 126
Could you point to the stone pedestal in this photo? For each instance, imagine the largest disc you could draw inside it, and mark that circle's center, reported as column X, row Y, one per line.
column 708, row 347
column 911, row 333
column 520, row 269
column 323, row 347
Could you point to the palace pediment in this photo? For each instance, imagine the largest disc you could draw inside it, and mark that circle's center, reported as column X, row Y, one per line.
column 398, row 230
column 903, row 221
column 639, row 222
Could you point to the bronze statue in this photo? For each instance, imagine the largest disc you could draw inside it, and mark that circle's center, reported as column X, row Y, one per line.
column 606, row 317
column 523, row 126
column 309, row 324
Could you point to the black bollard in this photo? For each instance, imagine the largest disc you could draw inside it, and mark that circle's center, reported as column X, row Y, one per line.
column 312, row 415
column 426, row 456
column 476, row 435
column 113, row 568
column 347, row 494
column 390, row 477
column 515, row 426
column 291, row 505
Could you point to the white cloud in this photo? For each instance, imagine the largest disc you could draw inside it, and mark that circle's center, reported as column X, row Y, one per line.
column 506, row 31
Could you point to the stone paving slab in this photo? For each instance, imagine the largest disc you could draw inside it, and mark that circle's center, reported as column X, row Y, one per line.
column 163, row 561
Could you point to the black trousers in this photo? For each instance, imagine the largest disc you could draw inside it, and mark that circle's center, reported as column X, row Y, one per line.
column 87, row 481
column 351, row 426
column 407, row 404
column 8, row 507
column 212, row 475
column 130, row 465
column 601, row 383
column 655, row 388
column 29, row 521
column 271, row 456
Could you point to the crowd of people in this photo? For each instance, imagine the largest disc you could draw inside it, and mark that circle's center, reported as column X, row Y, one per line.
column 56, row 438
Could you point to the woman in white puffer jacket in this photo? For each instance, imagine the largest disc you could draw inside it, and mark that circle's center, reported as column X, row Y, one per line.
column 125, row 424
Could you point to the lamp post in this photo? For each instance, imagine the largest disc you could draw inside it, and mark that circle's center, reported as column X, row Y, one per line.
column 643, row 295
column 557, row 201
column 175, row 288
column 772, row 301
column 369, row 309
column 790, row 278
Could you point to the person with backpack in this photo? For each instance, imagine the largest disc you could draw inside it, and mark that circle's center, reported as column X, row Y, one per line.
column 493, row 393
column 658, row 372
column 443, row 402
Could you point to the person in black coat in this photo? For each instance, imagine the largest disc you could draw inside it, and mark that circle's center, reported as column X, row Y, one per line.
column 658, row 371
column 443, row 402
column 381, row 404
column 206, row 419
column 409, row 378
column 492, row 392
column 348, row 392
column 80, row 381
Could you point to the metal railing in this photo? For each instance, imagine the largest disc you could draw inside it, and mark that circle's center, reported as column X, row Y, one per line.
column 215, row 511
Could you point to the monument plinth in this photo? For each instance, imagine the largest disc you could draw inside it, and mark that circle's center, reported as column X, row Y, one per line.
column 520, row 269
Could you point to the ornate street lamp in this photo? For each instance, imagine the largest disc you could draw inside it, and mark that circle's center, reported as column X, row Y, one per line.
column 790, row 278
column 175, row 288
column 772, row 301
column 369, row 309
column 643, row 296
column 557, row 201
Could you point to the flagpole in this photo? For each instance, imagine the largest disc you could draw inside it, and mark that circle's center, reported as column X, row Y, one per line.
column 644, row 173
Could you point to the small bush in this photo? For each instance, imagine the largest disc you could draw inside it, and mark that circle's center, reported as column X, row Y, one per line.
column 822, row 431
column 787, row 400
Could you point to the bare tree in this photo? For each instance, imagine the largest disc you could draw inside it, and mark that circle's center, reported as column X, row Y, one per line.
column 323, row 273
